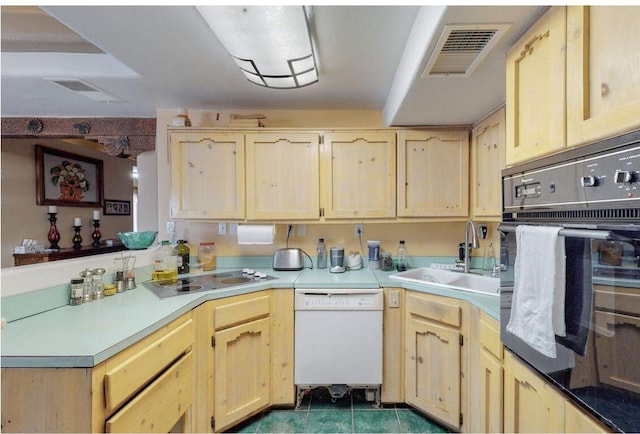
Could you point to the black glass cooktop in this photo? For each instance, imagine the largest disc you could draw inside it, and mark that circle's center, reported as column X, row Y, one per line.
column 205, row 282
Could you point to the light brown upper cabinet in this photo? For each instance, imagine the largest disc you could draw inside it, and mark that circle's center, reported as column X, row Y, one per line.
column 283, row 173
column 487, row 162
column 358, row 175
column 603, row 71
column 433, row 173
column 207, row 175
column 536, row 89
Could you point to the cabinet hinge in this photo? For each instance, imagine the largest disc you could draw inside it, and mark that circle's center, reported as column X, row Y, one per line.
column 461, row 340
column 460, row 420
column 321, row 212
column 213, row 341
column 322, row 140
column 213, row 423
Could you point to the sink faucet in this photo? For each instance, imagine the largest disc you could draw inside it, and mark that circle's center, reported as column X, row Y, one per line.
column 474, row 243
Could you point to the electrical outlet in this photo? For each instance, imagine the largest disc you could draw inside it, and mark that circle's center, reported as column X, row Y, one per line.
column 358, row 230
column 483, row 231
column 291, row 230
column 394, row 298
column 302, row 230
column 222, row 228
column 171, row 226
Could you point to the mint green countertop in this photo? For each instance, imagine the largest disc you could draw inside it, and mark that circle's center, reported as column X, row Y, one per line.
column 88, row 334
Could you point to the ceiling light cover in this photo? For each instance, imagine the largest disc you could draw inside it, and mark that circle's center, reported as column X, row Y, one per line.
column 271, row 44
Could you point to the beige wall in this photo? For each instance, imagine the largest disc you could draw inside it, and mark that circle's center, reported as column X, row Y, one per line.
column 22, row 218
column 423, row 239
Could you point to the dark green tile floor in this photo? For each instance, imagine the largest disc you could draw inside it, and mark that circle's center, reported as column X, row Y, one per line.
column 349, row 414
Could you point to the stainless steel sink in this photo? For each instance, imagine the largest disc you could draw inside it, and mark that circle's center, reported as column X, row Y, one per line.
column 451, row 279
column 205, row 282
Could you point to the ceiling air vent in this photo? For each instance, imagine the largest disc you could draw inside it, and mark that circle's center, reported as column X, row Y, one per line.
column 86, row 89
column 462, row 47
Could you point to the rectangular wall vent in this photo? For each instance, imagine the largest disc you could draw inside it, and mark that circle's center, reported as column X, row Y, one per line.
column 86, row 89
column 461, row 48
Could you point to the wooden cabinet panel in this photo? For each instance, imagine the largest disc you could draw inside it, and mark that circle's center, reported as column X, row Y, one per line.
column 433, row 173
column 282, row 316
column 234, row 311
column 531, row 404
column 283, row 173
column 160, row 405
column 242, row 384
column 358, row 175
column 487, row 162
column 207, row 175
column 603, row 72
column 432, row 370
column 132, row 369
column 438, row 309
column 491, row 376
column 577, row 421
column 393, row 346
column 536, row 89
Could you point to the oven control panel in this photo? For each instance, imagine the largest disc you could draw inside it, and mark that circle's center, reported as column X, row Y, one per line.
column 606, row 180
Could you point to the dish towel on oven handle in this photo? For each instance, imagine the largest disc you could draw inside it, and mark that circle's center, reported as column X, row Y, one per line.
column 537, row 310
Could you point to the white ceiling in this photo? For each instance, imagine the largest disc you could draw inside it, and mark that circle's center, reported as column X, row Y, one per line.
column 164, row 57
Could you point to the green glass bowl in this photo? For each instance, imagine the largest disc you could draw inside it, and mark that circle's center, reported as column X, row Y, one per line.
column 137, row 240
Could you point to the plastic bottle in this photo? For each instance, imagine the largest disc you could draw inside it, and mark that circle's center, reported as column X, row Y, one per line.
column 183, row 257
column 322, row 254
column 402, row 256
column 165, row 260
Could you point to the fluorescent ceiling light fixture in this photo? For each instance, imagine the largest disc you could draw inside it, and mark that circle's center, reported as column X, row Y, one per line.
column 271, row 44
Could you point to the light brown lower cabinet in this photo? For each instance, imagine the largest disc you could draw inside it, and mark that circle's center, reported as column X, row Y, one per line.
column 435, row 356
column 147, row 387
column 490, row 376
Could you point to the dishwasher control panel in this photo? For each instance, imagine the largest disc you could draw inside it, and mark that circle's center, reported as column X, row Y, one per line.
column 352, row 299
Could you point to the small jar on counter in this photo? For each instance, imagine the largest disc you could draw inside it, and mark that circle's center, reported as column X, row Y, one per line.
column 207, row 255
column 77, row 287
column 386, row 262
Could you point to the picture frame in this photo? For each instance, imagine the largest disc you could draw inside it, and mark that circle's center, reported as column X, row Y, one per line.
column 117, row 207
column 67, row 179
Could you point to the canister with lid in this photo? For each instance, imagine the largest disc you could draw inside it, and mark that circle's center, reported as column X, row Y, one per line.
column 77, row 286
column 207, row 255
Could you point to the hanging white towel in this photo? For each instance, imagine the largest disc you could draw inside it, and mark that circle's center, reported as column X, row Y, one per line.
column 537, row 309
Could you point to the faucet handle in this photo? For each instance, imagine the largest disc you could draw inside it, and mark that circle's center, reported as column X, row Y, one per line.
column 496, row 270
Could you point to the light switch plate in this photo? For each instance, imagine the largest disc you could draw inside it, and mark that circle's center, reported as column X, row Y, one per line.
column 302, row 230
column 233, row 228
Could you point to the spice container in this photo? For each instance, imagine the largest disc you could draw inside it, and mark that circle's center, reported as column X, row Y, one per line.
column 207, row 255
column 386, row 262
column 87, row 286
column 98, row 286
column 77, row 286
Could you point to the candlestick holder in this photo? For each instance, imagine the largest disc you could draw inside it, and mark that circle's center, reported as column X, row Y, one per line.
column 54, row 235
column 77, row 239
column 96, row 235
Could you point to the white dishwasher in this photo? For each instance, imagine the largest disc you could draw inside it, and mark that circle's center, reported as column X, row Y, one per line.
column 338, row 341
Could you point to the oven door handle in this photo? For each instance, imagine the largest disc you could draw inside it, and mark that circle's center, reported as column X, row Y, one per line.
column 578, row 233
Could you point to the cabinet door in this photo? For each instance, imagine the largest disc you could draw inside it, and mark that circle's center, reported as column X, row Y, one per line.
column 283, row 176
column 241, row 373
column 491, row 395
column 433, row 173
column 358, row 172
column 535, row 93
column 207, row 175
column 432, row 369
column 487, row 162
column 577, row 421
column 531, row 404
column 491, row 380
column 603, row 71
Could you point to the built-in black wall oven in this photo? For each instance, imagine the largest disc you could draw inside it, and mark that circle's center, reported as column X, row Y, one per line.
column 593, row 194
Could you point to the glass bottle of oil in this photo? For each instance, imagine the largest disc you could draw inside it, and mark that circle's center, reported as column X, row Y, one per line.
column 165, row 263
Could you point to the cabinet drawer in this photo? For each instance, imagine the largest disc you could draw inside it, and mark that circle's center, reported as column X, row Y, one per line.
column 228, row 315
column 434, row 310
column 617, row 299
column 159, row 406
column 131, row 370
column 490, row 336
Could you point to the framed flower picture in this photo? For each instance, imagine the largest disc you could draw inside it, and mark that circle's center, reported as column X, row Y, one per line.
column 67, row 179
